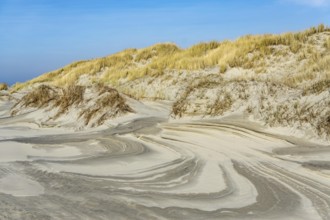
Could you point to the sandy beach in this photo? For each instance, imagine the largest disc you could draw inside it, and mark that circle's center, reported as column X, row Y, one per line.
column 148, row 166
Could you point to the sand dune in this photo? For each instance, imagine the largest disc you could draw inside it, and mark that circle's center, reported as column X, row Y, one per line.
column 145, row 166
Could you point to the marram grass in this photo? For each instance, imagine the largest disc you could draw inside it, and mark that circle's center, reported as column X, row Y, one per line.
column 248, row 52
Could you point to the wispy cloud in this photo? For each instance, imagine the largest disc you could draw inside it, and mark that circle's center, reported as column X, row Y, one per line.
column 313, row 3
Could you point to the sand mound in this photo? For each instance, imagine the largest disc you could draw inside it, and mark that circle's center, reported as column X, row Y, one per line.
column 84, row 105
column 275, row 104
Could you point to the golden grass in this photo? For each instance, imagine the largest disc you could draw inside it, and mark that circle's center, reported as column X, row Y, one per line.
column 307, row 71
column 317, row 87
column 327, row 44
column 318, row 68
column 39, row 97
column 158, row 50
column 3, row 86
column 247, row 52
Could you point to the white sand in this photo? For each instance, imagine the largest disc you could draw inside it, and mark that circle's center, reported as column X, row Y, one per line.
column 20, row 186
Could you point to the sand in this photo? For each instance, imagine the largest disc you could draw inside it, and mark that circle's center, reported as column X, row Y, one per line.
column 145, row 166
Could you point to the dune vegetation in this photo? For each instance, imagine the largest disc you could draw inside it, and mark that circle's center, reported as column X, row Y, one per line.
column 279, row 80
column 106, row 104
column 248, row 52
column 3, row 86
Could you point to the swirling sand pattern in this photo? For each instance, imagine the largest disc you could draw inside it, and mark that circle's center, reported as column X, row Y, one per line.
column 152, row 169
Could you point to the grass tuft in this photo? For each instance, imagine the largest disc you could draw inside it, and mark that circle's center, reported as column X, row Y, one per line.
column 69, row 96
column 108, row 104
column 39, row 97
column 3, row 86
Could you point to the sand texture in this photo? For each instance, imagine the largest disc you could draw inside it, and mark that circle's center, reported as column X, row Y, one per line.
column 148, row 167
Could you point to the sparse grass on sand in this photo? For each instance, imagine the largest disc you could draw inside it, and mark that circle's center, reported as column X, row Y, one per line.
column 108, row 102
column 39, row 97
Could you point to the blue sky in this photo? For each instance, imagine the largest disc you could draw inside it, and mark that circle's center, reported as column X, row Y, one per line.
column 37, row 36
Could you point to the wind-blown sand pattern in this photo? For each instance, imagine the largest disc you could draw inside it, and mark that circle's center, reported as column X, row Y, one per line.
column 151, row 168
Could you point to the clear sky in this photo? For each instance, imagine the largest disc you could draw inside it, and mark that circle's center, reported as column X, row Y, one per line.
column 37, row 36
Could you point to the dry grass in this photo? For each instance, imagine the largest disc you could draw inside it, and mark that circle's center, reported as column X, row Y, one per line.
column 158, row 50
column 108, row 104
column 323, row 126
column 69, row 96
column 39, row 97
column 248, row 52
column 327, row 44
column 180, row 106
column 45, row 95
column 317, row 68
column 221, row 105
column 300, row 62
column 302, row 113
column 3, row 86
column 318, row 87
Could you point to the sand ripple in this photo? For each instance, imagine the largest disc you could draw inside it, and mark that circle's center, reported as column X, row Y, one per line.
column 146, row 169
